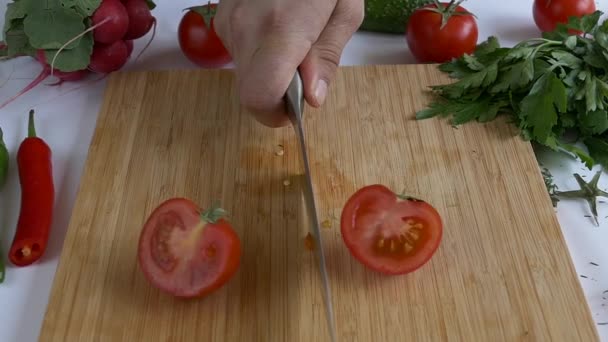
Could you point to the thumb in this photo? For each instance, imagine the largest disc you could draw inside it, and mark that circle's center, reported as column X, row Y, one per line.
column 319, row 67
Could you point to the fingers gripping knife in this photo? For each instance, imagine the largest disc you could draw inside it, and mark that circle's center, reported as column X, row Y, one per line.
column 294, row 99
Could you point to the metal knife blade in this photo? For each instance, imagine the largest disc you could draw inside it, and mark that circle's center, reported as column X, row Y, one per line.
column 294, row 99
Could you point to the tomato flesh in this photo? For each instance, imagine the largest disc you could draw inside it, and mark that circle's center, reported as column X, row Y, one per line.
column 184, row 255
column 388, row 234
column 430, row 43
column 548, row 13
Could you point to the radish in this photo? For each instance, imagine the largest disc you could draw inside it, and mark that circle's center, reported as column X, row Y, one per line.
column 140, row 19
column 63, row 76
column 129, row 47
column 108, row 32
column 107, row 58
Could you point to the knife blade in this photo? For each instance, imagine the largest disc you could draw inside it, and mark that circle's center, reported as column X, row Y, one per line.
column 294, row 99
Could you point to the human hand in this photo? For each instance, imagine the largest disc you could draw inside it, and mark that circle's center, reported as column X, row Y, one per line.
column 269, row 39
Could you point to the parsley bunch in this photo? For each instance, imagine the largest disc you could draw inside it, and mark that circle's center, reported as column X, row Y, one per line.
column 548, row 86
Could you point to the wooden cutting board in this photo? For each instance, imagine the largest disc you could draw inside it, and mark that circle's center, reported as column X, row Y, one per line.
column 502, row 272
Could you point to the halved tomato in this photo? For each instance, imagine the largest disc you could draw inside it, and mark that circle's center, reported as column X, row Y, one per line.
column 390, row 233
column 188, row 252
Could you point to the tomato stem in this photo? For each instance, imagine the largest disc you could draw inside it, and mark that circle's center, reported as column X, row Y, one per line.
column 31, row 129
column 448, row 11
column 404, row 197
column 213, row 213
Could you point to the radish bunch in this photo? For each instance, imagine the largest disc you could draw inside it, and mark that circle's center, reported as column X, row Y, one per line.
column 72, row 38
column 116, row 23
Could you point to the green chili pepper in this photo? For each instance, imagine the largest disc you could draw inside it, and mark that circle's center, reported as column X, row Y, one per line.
column 3, row 174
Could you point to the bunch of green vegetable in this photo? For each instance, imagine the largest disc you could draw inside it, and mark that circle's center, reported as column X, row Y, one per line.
column 548, row 86
column 69, row 38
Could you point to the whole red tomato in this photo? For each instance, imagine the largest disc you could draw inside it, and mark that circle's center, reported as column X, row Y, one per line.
column 548, row 13
column 198, row 40
column 431, row 42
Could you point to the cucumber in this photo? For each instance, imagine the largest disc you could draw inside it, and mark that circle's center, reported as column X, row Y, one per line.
column 389, row 16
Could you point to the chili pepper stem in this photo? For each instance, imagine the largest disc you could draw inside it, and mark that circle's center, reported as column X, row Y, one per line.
column 31, row 129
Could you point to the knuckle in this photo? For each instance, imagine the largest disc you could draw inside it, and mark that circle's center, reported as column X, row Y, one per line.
column 330, row 52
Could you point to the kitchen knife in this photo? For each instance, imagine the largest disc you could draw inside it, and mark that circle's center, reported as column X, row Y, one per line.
column 294, row 99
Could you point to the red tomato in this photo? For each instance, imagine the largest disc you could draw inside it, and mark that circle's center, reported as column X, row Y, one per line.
column 548, row 13
column 388, row 233
column 186, row 252
column 198, row 40
column 430, row 43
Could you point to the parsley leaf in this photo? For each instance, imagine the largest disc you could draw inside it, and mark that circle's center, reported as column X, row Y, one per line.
column 547, row 86
column 598, row 149
column 539, row 108
column 595, row 122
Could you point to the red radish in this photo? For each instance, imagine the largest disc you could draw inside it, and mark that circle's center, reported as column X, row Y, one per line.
column 140, row 19
column 114, row 29
column 63, row 76
column 109, row 57
column 129, row 47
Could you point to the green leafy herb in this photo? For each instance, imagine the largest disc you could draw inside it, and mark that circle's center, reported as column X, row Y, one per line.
column 46, row 25
column 50, row 28
column 551, row 187
column 151, row 4
column 75, row 59
column 86, row 7
column 17, row 42
column 548, row 86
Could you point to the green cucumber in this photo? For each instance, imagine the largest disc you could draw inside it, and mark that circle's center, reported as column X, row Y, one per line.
column 389, row 16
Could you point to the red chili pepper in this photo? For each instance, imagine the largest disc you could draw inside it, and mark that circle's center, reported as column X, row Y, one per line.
column 37, row 199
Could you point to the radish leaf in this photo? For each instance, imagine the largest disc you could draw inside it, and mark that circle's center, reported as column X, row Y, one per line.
column 75, row 59
column 86, row 7
column 14, row 10
column 51, row 28
column 17, row 42
column 151, row 4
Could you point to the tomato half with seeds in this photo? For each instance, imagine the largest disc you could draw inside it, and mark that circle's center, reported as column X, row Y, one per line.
column 187, row 252
column 390, row 233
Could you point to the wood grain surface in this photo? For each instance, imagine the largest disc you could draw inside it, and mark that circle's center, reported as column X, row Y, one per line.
column 502, row 272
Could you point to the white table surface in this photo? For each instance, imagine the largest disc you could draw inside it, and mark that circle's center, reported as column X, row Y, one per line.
column 66, row 120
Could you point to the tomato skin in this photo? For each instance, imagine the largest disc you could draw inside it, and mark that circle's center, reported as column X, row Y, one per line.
column 548, row 13
column 429, row 43
column 371, row 212
column 199, row 44
column 194, row 274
